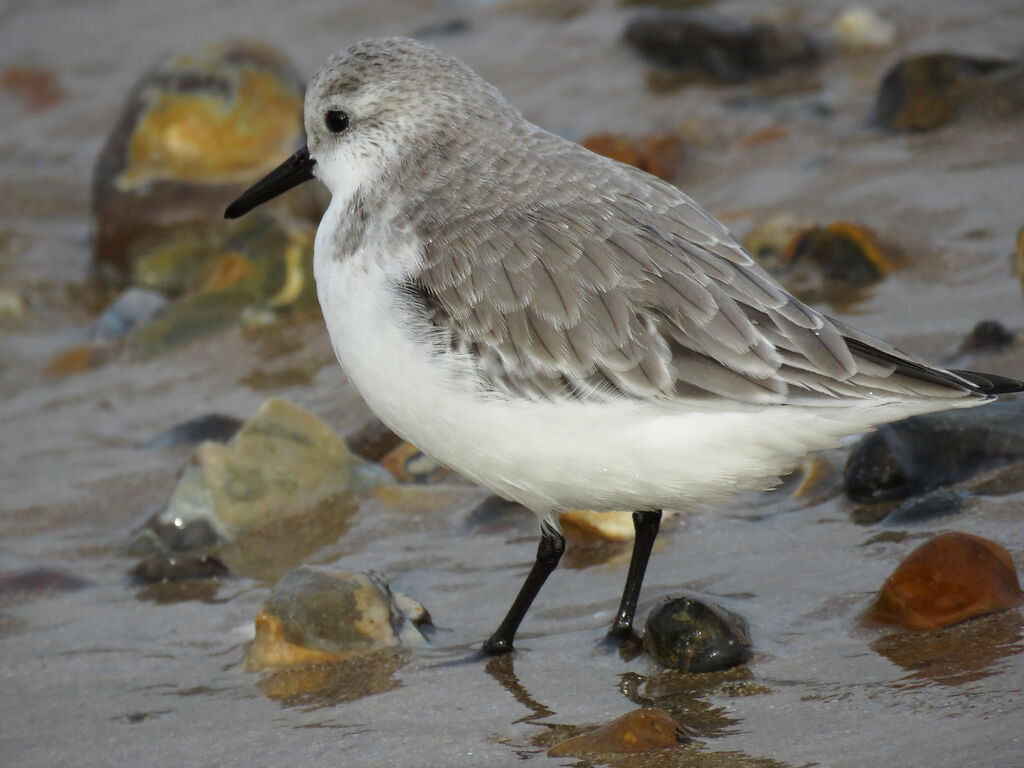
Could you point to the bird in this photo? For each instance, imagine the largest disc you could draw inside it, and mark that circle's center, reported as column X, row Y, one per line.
column 568, row 331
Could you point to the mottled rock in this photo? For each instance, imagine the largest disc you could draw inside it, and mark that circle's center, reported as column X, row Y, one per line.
column 211, row 426
column 696, row 636
column 987, row 336
column 316, row 615
column 920, row 454
column 928, row 91
column 642, row 730
column 283, row 462
column 78, row 359
column 194, row 131
column 948, row 579
column 723, row 47
column 769, row 241
column 658, row 155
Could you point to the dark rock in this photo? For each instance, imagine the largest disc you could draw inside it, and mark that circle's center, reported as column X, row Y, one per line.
column 40, row 580
column 166, row 566
column 695, row 636
column 928, row 91
column 920, row 454
column 495, row 514
column 948, row 579
column 212, row 426
column 943, row 502
column 373, row 441
column 723, row 47
column 179, row 535
column 443, row 29
column 987, row 336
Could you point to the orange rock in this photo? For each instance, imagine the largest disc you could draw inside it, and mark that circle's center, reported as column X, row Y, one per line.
column 658, row 155
column 948, row 579
column 615, row 147
column 37, row 88
column 843, row 249
column 270, row 649
column 76, row 360
column 641, row 730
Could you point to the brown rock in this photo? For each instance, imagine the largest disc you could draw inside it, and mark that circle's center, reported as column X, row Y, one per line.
column 38, row 89
column 78, row 359
column 642, row 730
column 948, row 579
column 660, row 155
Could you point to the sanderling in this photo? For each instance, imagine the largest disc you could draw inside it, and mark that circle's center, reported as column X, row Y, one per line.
column 568, row 331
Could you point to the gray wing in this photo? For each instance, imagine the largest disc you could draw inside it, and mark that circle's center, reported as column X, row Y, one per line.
column 618, row 285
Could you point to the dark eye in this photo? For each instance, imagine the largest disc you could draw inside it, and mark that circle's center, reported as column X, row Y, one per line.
column 336, row 121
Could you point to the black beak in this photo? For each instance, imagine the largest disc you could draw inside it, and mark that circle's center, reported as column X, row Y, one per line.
column 294, row 171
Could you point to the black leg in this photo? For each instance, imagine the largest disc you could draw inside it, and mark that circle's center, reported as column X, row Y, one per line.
column 549, row 552
column 646, row 526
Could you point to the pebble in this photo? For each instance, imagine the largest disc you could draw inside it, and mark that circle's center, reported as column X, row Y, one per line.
column 934, row 505
column 642, row 730
column 927, row 91
column 167, row 566
column 614, row 526
column 133, row 308
column 860, row 27
column 696, row 636
column 723, row 47
column 658, row 155
column 283, row 462
column 917, row 455
column 40, row 580
column 211, row 426
column 317, row 614
column 948, row 579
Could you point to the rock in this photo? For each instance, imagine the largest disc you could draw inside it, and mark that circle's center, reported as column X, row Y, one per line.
column 78, row 359
column 373, row 441
column 770, row 240
column 934, row 505
column 194, row 132
column 642, row 730
column 283, row 462
column 37, row 89
column 261, row 270
column 723, row 47
column 615, row 526
column 928, row 91
column 696, row 636
column 166, row 566
column 658, row 155
column 408, row 464
column 133, row 308
column 212, row 426
column 316, row 615
column 987, row 336
column 861, row 28
column 12, row 305
column 834, row 263
column 332, row 683
column 920, row 454
column 39, row 580
column 948, row 579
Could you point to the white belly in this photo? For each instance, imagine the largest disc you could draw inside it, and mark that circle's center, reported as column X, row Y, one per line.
column 551, row 456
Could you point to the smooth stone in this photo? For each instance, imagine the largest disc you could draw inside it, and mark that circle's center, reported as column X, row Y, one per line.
column 133, row 308
column 317, row 614
column 948, row 579
column 987, row 336
column 283, row 462
column 78, row 359
column 408, row 464
column 917, row 455
column 696, row 636
column 934, row 505
column 373, row 441
column 211, row 426
column 642, row 730
column 859, row 27
column 40, row 579
column 614, row 526
column 927, row 91
column 167, row 566
column 724, row 47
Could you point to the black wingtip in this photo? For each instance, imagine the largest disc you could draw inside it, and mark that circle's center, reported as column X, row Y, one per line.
column 991, row 384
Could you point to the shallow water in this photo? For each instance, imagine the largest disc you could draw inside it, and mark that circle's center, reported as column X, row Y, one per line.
column 113, row 672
